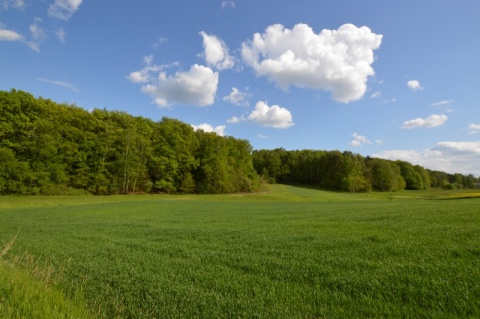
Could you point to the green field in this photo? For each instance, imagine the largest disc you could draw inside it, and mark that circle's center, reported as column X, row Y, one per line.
column 289, row 252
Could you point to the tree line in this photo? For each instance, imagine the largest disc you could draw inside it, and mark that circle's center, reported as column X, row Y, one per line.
column 346, row 171
column 51, row 148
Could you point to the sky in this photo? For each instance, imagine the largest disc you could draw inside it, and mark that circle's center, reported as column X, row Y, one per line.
column 388, row 79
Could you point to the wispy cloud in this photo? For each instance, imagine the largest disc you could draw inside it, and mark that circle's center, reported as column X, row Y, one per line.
column 16, row 4
column 443, row 102
column 376, row 94
column 38, row 33
column 159, row 42
column 63, row 9
column 474, row 128
column 61, row 35
column 228, row 4
column 60, row 83
column 431, row 121
column 12, row 36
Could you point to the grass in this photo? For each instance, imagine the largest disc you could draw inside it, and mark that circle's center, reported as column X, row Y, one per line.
column 291, row 252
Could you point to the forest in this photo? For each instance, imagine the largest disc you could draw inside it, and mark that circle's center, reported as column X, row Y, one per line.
column 54, row 148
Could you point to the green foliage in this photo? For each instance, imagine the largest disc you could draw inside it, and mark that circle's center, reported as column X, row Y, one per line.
column 57, row 149
column 289, row 253
column 333, row 170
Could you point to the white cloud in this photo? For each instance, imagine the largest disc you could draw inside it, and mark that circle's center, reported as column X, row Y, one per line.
column 271, row 116
column 61, row 34
column 12, row 36
column 38, row 33
column 60, row 83
column 414, row 85
column 195, row 87
column 333, row 60
column 236, row 97
column 228, row 4
column 359, row 140
column 16, row 4
column 262, row 136
column 376, row 95
column 9, row 35
column 431, row 121
column 444, row 102
column 450, row 157
column 235, row 119
column 149, row 72
column 216, row 52
column 379, row 142
column 474, row 128
column 63, row 9
column 392, row 100
column 159, row 42
column 219, row 130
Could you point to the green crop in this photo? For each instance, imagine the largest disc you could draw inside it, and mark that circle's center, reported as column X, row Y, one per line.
column 290, row 252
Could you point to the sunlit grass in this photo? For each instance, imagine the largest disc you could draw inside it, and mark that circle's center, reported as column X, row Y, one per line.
column 287, row 253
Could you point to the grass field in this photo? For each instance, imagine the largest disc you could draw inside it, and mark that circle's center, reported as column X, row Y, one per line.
column 290, row 252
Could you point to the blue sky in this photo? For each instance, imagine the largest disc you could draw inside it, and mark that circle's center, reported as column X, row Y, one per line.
column 396, row 80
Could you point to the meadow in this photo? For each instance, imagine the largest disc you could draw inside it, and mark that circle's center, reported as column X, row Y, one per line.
column 288, row 252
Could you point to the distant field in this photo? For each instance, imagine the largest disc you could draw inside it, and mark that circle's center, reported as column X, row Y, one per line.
column 290, row 252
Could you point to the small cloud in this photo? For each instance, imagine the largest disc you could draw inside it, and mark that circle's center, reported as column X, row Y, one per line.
column 63, row 9
column 219, row 130
column 235, row 120
column 150, row 72
column 359, row 140
column 216, row 52
column 228, row 4
column 12, row 36
column 196, row 87
column 15, row 4
column 60, row 83
column 61, row 35
column 431, row 121
column 271, row 116
column 443, row 102
column 159, row 42
column 38, row 33
column 390, row 101
column 236, row 97
column 262, row 136
column 376, row 94
column 379, row 142
column 474, row 128
column 414, row 85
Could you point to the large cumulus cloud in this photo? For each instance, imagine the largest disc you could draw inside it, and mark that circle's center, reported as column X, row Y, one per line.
column 339, row 61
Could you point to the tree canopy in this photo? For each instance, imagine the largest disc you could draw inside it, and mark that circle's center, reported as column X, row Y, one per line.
column 345, row 171
column 52, row 148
